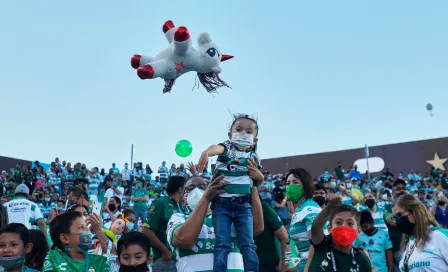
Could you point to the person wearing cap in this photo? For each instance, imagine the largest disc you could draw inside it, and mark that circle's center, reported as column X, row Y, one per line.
column 21, row 210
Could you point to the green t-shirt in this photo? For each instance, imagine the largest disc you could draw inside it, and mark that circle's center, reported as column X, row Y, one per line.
column 339, row 172
column 58, row 261
column 265, row 242
column 159, row 214
column 140, row 205
column 322, row 258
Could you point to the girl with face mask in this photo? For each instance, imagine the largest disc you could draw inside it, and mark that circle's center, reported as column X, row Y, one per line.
column 239, row 163
column 14, row 245
column 425, row 242
column 72, row 240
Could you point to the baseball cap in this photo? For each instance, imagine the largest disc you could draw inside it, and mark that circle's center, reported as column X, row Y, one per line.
column 23, row 189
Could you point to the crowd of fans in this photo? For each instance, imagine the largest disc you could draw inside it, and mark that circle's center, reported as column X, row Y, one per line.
column 296, row 219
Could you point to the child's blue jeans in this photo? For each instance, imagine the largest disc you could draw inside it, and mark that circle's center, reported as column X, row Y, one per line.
column 236, row 210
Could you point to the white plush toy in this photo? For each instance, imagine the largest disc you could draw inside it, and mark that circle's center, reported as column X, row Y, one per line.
column 181, row 57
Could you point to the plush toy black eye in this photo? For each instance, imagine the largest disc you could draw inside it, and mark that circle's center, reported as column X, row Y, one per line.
column 212, row 52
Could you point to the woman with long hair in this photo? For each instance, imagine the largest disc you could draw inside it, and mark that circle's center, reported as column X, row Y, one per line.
column 299, row 192
column 425, row 242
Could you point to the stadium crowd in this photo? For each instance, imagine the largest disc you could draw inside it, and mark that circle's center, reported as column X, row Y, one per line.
column 342, row 220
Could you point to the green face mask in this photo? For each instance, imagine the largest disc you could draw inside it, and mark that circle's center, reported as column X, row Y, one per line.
column 294, row 192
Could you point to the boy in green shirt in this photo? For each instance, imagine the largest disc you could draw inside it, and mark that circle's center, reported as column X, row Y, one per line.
column 334, row 252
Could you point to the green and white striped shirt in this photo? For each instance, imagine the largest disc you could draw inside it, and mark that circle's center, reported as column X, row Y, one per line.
column 200, row 257
column 233, row 165
column 301, row 222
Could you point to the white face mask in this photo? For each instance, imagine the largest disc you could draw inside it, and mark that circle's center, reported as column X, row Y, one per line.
column 194, row 197
column 349, row 185
column 333, row 184
column 242, row 140
column 130, row 225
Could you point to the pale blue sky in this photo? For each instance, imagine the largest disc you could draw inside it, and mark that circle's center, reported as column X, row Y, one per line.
column 322, row 75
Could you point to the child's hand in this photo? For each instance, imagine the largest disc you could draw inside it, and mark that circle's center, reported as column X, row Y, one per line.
column 203, row 161
column 254, row 173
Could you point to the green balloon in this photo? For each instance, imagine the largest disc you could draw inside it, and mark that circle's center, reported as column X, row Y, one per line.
column 184, row 148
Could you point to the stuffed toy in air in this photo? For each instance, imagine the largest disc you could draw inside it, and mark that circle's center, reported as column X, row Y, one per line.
column 181, row 57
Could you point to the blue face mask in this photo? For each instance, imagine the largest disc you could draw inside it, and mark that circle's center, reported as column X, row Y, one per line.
column 12, row 262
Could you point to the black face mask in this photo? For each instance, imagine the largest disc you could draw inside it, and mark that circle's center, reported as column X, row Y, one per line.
column 111, row 207
column 369, row 232
column 138, row 268
column 404, row 225
column 320, row 200
column 370, row 203
column 441, row 203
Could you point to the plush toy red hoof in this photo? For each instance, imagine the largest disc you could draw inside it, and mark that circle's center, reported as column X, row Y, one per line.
column 145, row 71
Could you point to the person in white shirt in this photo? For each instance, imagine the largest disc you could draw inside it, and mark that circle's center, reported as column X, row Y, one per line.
column 115, row 190
column 126, row 173
column 21, row 210
column 425, row 242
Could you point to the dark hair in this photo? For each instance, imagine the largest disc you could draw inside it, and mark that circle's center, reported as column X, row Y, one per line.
column 61, row 225
column 118, row 200
column 22, row 195
column 35, row 259
column 78, row 192
column 245, row 118
column 399, row 181
column 320, row 187
column 73, row 208
column 346, row 208
column 134, row 238
column 174, row 183
column 306, row 179
column 19, row 229
column 127, row 212
column 366, row 217
column 3, row 216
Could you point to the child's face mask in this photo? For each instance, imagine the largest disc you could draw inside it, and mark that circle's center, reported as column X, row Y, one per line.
column 242, row 140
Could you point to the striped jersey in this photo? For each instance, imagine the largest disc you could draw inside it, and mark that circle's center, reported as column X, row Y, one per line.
column 163, row 172
column 378, row 217
column 233, row 165
column 54, row 179
column 301, row 222
column 94, row 183
column 200, row 257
